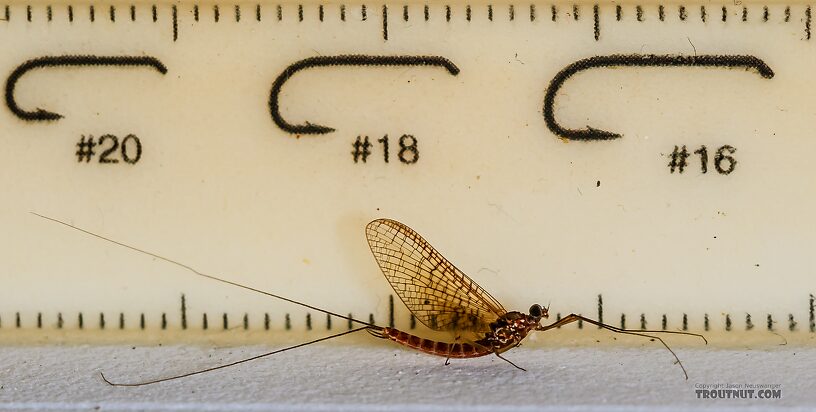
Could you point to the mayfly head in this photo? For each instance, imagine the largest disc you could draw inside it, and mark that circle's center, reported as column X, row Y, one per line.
column 538, row 312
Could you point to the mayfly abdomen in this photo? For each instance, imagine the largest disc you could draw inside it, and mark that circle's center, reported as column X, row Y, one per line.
column 448, row 350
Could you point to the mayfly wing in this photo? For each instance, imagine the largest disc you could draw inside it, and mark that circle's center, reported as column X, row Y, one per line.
column 437, row 293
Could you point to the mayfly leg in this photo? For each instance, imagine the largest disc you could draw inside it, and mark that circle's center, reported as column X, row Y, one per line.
column 643, row 333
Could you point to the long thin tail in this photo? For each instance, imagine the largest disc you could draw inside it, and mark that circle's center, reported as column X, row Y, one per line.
column 193, row 270
column 233, row 363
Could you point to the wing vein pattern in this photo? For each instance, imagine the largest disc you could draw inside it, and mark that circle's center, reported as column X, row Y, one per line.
column 439, row 295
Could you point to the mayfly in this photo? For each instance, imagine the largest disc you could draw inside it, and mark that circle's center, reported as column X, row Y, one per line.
column 438, row 294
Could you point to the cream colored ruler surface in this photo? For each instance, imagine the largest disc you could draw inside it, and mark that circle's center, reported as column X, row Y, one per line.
column 651, row 162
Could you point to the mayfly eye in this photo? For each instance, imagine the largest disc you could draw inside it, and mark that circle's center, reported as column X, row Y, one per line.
column 535, row 311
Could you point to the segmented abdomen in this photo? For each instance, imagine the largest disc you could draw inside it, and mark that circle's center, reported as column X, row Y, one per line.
column 448, row 350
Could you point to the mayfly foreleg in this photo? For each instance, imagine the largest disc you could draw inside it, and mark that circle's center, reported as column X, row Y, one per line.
column 643, row 333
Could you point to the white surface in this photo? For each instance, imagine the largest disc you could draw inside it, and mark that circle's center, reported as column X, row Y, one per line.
column 352, row 377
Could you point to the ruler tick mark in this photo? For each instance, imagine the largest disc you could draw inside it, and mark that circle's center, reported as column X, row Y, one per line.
column 141, row 320
column 467, row 13
column 320, row 12
column 49, row 13
column 266, row 321
column 661, row 13
column 342, row 12
column 300, row 12
column 681, row 11
column 257, row 12
column 216, row 13
column 532, row 12
column 807, row 22
column 512, row 12
column 618, row 12
column 728, row 322
column 639, row 13
column 405, row 13
column 112, row 13
column 28, row 13
column 596, row 13
column 744, row 13
column 385, row 22
column 164, row 321
column 183, row 311
column 787, row 14
column 224, row 321
column 490, row 12
column 600, row 309
column 174, row 11
column 237, row 11
column 132, row 12
column 765, row 14
column 770, row 323
column 246, row 321
column 195, row 12
column 724, row 14
column 363, row 12
column 575, row 12
column 447, row 13
column 554, row 12
column 391, row 311
column 427, row 13
column 155, row 13
column 204, row 323
column 280, row 12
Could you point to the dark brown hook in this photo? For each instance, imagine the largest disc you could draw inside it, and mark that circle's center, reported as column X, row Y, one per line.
column 69, row 60
column 640, row 60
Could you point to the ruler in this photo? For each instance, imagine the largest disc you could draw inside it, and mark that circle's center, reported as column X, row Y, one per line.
column 648, row 164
